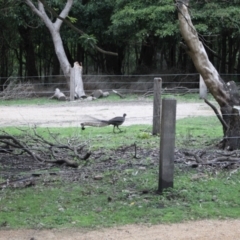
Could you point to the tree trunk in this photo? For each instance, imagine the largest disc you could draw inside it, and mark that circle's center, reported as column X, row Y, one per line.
column 148, row 49
column 225, row 94
column 79, row 90
column 26, row 35
column 54, row 28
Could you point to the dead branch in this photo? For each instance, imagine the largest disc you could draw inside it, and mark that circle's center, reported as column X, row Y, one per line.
column 19, row 183
column 119, row 94
column 221, row 160
column 196, row 157
column 64, row 161
column 14, row 89
column 135, row 151
column 49, row 150
column 75, row 28
column 58, row 95
column 224, row 124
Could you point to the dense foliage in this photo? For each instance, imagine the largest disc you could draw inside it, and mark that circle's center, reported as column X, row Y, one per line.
column 144, row 33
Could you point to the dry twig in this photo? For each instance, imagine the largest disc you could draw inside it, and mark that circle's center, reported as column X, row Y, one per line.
column 14, row 89
column 55, row 150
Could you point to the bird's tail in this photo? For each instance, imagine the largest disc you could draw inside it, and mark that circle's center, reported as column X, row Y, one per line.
column 94, row 122
column 99, row 120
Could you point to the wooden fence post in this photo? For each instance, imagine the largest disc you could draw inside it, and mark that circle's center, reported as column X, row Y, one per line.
column 157, row 106
column 167, row 144
column 72, row 84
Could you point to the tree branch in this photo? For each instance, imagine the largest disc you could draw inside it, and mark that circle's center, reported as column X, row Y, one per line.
column 41, row 149
column 74, row 28
column 224, row 124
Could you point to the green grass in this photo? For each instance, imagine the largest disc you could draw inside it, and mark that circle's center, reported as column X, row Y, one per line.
column 197, row 132
column 87, row 205
column 31, row 101
column 190, row 97
column 192, row 132
column 118, row 198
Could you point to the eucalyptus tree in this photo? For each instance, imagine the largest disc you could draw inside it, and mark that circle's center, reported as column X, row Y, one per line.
column 54, row 29
column 53, row 21
column 226, row 94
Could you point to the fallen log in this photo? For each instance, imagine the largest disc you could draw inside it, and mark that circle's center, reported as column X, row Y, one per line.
column 59, row 95
column 19, row 183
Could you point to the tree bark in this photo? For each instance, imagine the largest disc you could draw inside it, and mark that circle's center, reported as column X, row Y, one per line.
column 59, row 95
column 54, row 28
column 78, row 83
column 225, row 94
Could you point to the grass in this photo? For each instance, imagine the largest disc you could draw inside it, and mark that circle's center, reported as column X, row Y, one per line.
column 128, row 196
column 32, row 101
column 190, row 97
column 88, row 205
column 196, row 132
column 193, row 132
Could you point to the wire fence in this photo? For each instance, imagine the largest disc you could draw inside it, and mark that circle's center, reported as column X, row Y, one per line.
column 139, row 110
column 127, row 84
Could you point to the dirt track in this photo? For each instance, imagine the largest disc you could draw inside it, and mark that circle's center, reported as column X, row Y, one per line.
column 200, row 230
column 73, row 113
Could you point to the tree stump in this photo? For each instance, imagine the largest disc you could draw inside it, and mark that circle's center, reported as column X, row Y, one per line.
column 233, row 131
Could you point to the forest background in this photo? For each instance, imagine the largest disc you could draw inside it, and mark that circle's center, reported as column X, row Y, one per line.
column 144, row 33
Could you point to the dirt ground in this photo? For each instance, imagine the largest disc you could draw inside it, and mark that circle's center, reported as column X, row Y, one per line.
column 199, row 230
column 72, row 114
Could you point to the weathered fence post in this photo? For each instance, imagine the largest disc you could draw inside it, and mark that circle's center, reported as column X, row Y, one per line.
column 72, row 84
column 202, row 88
column 167, row 144
column 157, row 106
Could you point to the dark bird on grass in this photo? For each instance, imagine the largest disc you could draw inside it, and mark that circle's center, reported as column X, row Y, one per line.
column 116, row 122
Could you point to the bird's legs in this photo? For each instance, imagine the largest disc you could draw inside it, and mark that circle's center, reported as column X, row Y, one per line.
column 117, row 128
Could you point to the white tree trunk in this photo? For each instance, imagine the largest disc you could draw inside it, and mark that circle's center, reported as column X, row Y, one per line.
column 78, row 83
column 197, row 52
column 54, row 28
column 202, row 88
column 226, row 95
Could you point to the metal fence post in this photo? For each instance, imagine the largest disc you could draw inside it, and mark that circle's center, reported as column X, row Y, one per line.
column 157, row 106
column 167, row 144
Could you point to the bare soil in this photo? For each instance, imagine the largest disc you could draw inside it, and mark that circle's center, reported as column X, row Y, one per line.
column 199, row 230
column 72, row 114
